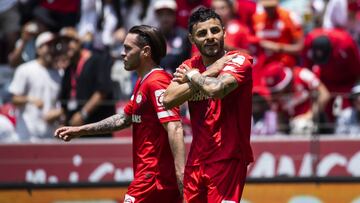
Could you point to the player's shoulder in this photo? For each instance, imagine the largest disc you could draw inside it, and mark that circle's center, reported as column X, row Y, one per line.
column 193, row 61
column 240, row 58
column 158, row 75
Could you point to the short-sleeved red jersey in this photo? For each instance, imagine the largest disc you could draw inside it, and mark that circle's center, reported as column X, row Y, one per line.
column 342, row 70
column 221, row 127
column 152, row 157
column 303, row 83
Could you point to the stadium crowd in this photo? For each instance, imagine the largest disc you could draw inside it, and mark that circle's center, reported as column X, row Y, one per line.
column 60, row 61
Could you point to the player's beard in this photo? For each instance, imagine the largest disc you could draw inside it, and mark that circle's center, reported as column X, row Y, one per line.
column 213, row 50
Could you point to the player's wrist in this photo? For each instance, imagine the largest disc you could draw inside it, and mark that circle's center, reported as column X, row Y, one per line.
column 191, row 73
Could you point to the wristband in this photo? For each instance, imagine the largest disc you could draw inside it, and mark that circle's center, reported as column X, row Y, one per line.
column 191, row 73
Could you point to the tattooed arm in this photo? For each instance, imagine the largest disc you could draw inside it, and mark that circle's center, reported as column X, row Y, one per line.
column 110, row 124
column 214, row 87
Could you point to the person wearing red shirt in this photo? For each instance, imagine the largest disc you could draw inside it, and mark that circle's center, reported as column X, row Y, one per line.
column 292, row 90
column 245, row 9
column 185, row 8
column 279, row 32
column 333, row 56
column 237, row 33
column 158, row 145
column 218, row 88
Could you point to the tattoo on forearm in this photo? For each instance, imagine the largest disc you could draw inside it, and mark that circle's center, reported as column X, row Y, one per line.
column 113, row 123
column 211, row 84
column 230, row 86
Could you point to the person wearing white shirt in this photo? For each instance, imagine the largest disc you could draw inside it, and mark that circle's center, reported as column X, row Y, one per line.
column 35, row 88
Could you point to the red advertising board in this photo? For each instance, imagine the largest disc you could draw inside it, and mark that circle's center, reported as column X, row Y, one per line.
column 110, row 160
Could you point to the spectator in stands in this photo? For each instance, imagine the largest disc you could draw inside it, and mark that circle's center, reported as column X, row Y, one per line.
column 245, row 9
column 25, row 49
column 7, row 123
column 56, row 14
column 35, row 88
column 264, row 119
column 9, row 26
column 98, row 21
column 237, row 34
column 348, row 121
column 279, row 31
column 185, row 7
column 334, row 57
column 336, row 14
column 177, row 42
column 299, row 95
column 86, row 92
column 137, row 12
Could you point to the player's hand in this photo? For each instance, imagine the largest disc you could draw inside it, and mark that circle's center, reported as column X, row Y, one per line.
column 217, row 66
column 67, row 133
column 180, row 74
column 76, row 119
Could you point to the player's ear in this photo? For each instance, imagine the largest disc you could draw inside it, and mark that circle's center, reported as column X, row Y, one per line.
column 146, row 51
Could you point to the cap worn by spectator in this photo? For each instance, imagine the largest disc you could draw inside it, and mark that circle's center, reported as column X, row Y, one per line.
column 355, row 90
column 44, row 38
column 321, row 49
column 165, row 4
column 277, row 77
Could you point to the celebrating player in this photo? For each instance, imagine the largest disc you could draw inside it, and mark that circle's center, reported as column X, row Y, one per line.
column 218, row 88
column 157, row 132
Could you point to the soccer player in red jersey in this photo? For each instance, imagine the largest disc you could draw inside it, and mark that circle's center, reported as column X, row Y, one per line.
column 218, row 88
column 158, row 145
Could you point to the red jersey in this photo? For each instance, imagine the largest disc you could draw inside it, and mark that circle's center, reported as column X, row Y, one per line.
column 63, row 6
column 152, row 157
column 342, row 70
column 237, row 35
column 303, row 83
column 184, row 9
column 221, row 127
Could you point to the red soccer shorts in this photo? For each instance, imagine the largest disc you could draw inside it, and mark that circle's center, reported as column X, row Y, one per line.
column 147, row 191
column 218, row 182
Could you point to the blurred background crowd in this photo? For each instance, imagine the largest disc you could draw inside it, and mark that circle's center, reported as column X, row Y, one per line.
column 60, row 61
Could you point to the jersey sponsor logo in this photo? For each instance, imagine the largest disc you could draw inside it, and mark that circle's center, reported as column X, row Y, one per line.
column 227, row 201
column 138, row 98
column 199, row 96
column 136, row 118
column 159, row 96
column 129, row 199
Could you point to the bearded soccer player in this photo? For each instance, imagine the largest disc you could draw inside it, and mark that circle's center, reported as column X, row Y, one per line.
column 158, row 144
column 218, row 88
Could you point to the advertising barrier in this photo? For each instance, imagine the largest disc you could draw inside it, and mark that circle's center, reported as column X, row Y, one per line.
column 111, row 160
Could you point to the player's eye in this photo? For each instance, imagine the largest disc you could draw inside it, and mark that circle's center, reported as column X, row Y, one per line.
column 215, row 30
column 201, row 33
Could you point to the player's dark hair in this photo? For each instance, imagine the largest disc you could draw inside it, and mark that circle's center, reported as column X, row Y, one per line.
column 202, row 14
column 151, row 36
